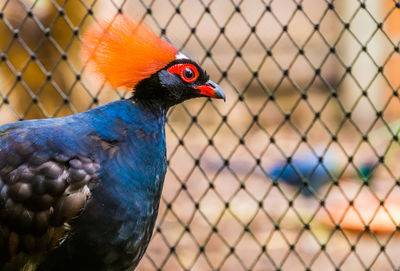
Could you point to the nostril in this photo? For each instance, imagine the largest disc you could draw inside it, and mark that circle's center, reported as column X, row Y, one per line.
column 210, row 84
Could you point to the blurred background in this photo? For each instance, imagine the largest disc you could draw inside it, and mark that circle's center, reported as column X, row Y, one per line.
column 296, row 171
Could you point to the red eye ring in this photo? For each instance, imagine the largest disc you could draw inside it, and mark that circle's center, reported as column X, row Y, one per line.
column 182, row 69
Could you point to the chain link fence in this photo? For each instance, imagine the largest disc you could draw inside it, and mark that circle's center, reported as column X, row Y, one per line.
column 296, row 171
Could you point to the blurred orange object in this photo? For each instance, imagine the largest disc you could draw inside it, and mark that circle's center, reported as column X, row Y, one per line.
column 366, row 210
column 364, row 207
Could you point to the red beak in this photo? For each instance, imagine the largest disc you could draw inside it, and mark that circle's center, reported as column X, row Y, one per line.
column 212, row 90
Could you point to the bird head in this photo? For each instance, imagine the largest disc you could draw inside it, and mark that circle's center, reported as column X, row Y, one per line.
column 129, row 55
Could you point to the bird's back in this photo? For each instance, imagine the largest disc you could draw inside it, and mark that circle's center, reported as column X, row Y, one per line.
column 84, row 187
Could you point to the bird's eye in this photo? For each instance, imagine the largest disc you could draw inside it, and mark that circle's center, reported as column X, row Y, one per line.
column 188, row 74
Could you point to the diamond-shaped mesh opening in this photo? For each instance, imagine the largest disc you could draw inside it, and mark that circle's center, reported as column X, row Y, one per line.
column 296, row 171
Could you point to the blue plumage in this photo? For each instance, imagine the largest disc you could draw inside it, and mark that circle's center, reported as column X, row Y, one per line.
column 127, row 140
column 306, row 171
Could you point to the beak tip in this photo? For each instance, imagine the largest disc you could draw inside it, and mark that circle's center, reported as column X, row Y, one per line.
column 219, row 93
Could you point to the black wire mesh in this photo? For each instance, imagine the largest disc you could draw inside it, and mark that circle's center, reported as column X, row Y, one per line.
column 310, row 84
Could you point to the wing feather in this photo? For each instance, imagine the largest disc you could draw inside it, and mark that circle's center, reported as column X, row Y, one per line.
column 40, row 193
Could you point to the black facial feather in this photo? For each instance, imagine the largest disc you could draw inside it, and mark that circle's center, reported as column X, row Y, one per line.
column 167, row 89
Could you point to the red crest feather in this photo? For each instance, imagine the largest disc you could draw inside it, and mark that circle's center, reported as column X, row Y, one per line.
column 125, row 52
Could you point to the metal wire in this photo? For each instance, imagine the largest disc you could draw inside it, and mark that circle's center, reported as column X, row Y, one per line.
column 308, row 82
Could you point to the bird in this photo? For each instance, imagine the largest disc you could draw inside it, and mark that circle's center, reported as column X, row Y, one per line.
column 305, row 170
column 82, row 192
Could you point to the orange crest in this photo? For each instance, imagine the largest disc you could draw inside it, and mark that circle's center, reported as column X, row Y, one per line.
column 125, row 52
